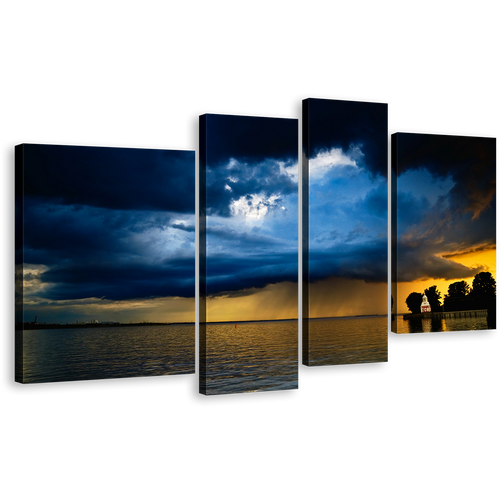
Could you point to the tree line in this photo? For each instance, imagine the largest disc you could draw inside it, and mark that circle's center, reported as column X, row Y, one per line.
column 460, row 296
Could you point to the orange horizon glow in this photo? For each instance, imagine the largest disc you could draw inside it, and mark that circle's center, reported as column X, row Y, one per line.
column 332, row 297
column 471, row 259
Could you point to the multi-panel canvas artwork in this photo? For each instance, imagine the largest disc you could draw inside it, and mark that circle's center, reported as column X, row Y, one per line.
column 105, row 249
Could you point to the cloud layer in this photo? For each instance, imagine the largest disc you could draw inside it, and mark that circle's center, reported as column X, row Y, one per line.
column 339, row 125
column 118, row 224
column 105, row 222
column 117, row 178
column 446, row 196
column 252, row 202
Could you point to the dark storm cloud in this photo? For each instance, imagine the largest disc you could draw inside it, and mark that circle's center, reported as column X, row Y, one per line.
column 327, row 236
column 252, row 237
column 356, row 232
column 252, row 175
column 249, row 155
column 342, row 124
column 375, row 202
column 364, row 261
column 121, row 280
column 461, row 220
column 184, row 227
column 470, row 161
column 55, row 232
column 109, row 222
column 442, row 227
column 441, row 154
column 250, row 139
column 430, row 266
column 411, row 210
column 424, row 247
column 93, row 252
column 227, row 275
column 479, row 249
column 118, row 178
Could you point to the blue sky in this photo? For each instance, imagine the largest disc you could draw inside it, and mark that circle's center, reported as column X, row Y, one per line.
column 252, row 204
column 346, row 148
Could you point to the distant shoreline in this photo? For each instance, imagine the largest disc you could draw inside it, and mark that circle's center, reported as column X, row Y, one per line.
column 49, row 326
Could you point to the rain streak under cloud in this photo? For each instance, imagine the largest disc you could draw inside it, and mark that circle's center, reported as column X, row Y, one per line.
column 116, row 228
column 347, row 167
column 345, row 175
column 252, row 210
column 113, row 229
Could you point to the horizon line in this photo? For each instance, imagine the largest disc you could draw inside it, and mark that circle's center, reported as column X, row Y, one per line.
column 152, row 322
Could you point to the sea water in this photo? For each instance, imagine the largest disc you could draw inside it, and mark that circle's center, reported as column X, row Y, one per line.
column 424, row 325
column 254, row 356
column 112, row 352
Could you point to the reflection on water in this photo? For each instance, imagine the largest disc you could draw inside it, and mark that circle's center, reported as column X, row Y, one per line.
column 263, row 356
column 424, row 325
column 339, row 341
column 259, row 356
column 97, row 353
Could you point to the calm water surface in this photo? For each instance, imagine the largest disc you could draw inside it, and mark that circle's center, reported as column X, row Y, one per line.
column 259, row 356
column 440, row 325
column 97, row 353
column 339, row 341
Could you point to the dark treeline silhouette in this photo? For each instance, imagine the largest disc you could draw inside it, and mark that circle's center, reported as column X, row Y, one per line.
column 461, row 297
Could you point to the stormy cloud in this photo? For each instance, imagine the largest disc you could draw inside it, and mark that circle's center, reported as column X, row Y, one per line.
column 346, row 155
column 251, row 203
column 251, row 161
column 250, row 139
column 117, row 178
column 245, row 272
column 470, row 163
column 366, row 261
column 108, row 222
column 341, row 125
column 446, row 198
column 121, row 280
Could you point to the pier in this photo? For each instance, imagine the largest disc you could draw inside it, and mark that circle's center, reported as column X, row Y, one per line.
column 477, row 313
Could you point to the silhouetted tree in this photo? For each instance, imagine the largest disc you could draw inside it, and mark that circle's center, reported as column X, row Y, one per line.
column 483, row 286
column 434, row 298
column 413, row 302
column 459, row 290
